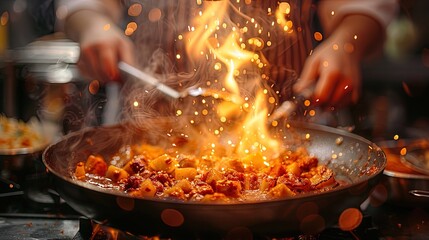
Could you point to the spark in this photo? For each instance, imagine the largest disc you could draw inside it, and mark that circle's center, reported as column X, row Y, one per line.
column 106, row 27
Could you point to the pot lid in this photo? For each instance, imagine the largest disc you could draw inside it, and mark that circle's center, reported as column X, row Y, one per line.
column 47, row 51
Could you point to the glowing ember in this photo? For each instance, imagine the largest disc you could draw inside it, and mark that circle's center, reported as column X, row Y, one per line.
column 281, row 14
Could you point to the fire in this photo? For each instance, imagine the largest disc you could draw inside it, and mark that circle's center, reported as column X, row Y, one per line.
column 205, row 25
column 101, row 232
column 215, row 37
column 255, row 138
column 233, row 57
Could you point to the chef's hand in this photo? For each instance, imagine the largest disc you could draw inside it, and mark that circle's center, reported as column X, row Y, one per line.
column 102, row 45
column 101, row 51
column 333, row 74
column 333, row 69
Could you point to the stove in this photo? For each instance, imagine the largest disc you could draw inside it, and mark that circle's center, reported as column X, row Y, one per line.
column 31, row 209
column 46, row 226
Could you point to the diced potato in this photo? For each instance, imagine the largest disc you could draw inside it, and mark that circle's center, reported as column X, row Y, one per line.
column 294, row 169
column 185, row 161
column 163, row 163
column 281, row 190
column 147, row 189
column 267, row 184
column 128, row 169
column 96, row 165
column 185, row 185
column 79, row 173
column 116, row 174
column 185, row 173
column 175, row 191
column 134, row 166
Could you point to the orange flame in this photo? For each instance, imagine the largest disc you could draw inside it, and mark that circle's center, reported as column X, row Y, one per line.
column 205, row 26
column 255, row 137
column 233, row 56
column 214, row 36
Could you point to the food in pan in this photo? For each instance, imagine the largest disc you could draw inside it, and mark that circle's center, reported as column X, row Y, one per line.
column 16, row 134
column 150, row 171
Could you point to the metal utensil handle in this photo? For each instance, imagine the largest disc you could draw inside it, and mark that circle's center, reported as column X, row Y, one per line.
column 288, row 107
column 148, row 79
column 419, row 193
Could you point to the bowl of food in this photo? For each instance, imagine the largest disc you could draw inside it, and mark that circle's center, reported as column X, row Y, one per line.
column 21, row 138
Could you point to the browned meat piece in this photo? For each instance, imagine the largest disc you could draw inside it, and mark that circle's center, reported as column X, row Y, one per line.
column 229, row 188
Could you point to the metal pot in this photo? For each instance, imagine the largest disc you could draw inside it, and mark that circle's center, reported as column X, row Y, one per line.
column 401, row 184
column 356, row 161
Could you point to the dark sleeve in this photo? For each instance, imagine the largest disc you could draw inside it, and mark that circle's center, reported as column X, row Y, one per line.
column 42, row 14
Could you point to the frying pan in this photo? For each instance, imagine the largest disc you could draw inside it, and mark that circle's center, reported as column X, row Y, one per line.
column 357, row 163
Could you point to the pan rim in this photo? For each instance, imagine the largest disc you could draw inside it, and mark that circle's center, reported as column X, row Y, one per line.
column 396, row 174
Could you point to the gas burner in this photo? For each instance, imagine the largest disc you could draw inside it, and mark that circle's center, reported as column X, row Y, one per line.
column 88, row 229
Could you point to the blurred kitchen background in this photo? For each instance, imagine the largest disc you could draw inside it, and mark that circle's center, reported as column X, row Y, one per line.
column 38, row 77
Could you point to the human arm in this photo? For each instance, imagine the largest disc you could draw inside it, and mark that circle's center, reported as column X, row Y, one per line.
column 355, row 29
column 93, row 24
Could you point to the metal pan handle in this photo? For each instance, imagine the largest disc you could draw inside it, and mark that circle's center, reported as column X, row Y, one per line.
column 419, row 193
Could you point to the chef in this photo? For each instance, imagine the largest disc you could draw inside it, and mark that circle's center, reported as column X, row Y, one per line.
column 352, row 30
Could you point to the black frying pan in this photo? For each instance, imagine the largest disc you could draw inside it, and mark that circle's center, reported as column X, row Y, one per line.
column 355, row 160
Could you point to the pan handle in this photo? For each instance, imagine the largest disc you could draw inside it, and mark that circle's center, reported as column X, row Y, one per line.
column 419, row 193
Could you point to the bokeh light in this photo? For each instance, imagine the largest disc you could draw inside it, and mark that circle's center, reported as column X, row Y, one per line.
column 350, row 219
column 155, row 15
column 135, row 9
column 172, row 217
